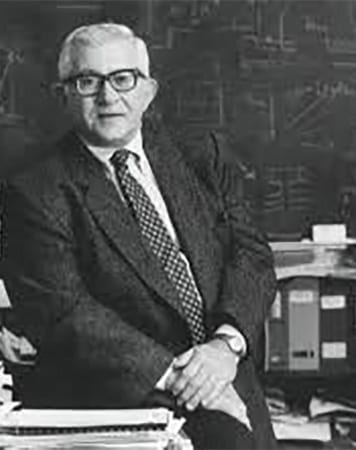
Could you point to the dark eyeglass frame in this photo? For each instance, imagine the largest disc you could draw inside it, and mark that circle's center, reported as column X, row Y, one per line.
column 73, row 80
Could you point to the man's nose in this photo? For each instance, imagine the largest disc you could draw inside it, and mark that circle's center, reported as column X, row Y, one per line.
column 107, row 93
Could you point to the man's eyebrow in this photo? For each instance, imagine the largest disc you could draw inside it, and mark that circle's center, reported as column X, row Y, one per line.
column 94, row 72
column 86, row 72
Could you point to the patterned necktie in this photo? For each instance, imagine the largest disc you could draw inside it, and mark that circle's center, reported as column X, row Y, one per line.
column 161, row 244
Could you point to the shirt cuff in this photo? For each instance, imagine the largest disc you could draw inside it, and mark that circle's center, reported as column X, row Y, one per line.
column 233, row 332
column 161, row 383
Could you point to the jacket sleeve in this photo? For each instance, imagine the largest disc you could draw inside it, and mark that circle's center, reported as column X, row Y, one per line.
column 249, row 283
column 54, row 308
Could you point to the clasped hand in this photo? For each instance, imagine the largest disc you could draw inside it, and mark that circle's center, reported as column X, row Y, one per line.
column 202, row 375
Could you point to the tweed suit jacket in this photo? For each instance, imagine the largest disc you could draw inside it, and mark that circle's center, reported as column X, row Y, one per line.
column 95, row 302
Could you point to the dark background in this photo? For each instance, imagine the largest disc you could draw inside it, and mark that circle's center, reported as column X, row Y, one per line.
column 275, row 79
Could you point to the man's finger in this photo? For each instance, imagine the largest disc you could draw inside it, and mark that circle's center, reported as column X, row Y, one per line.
column 192, row 368
column 182, row 380
column 213, row 395
column 182, row 360
column 186, row 373
column 192, row 387
column 171, row 379
column 199, row 396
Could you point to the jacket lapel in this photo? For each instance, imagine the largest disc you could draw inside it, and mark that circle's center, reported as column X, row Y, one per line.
column 187, row 211
column 115, row 220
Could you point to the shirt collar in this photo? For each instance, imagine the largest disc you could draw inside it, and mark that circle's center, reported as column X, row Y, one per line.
column 104, row 154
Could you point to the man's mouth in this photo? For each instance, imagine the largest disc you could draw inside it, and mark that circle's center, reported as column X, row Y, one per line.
column 109, row 115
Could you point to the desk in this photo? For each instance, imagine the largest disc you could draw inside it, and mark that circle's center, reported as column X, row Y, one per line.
column 311, row 332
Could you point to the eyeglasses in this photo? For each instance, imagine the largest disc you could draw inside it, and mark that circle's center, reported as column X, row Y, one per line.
column 91, row 83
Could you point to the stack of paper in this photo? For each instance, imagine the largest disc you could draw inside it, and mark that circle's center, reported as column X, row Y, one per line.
column 290, row 424
column 307, row 258
column 134, row 429
column 321, row 408
column 300, row 427
column 316, row 423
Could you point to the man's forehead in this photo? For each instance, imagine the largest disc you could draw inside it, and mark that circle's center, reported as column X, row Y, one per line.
column 107, row 56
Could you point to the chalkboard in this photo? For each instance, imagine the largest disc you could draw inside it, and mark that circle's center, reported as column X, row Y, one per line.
column 276, row 77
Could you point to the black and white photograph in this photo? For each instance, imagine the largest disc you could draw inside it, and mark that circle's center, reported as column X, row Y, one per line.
column 178, row 224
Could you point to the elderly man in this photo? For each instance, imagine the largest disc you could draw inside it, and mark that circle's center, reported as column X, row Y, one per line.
column 129, row 268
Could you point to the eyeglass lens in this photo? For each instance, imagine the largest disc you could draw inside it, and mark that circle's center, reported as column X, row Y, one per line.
column 121, row 81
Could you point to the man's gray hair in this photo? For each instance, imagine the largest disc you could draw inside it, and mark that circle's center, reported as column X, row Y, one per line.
column 96, row 35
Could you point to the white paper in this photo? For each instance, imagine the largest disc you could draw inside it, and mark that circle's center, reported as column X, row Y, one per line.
column 301, row 296
column 316, row 431
column 333, row 301
column 333, row 350
column 276, row 308
column 319, row 407
column 68, row 418
column 4, row 298
column 329, row 233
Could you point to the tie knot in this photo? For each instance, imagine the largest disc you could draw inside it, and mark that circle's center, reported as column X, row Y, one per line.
column 119, row 158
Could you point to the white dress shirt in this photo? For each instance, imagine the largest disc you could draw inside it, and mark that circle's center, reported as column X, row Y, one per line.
column 141, row 170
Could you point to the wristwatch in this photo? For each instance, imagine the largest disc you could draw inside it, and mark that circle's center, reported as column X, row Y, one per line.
column 234, row 343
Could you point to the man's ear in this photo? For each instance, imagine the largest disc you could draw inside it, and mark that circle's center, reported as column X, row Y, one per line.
column 59, row 92
column 150, row 91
